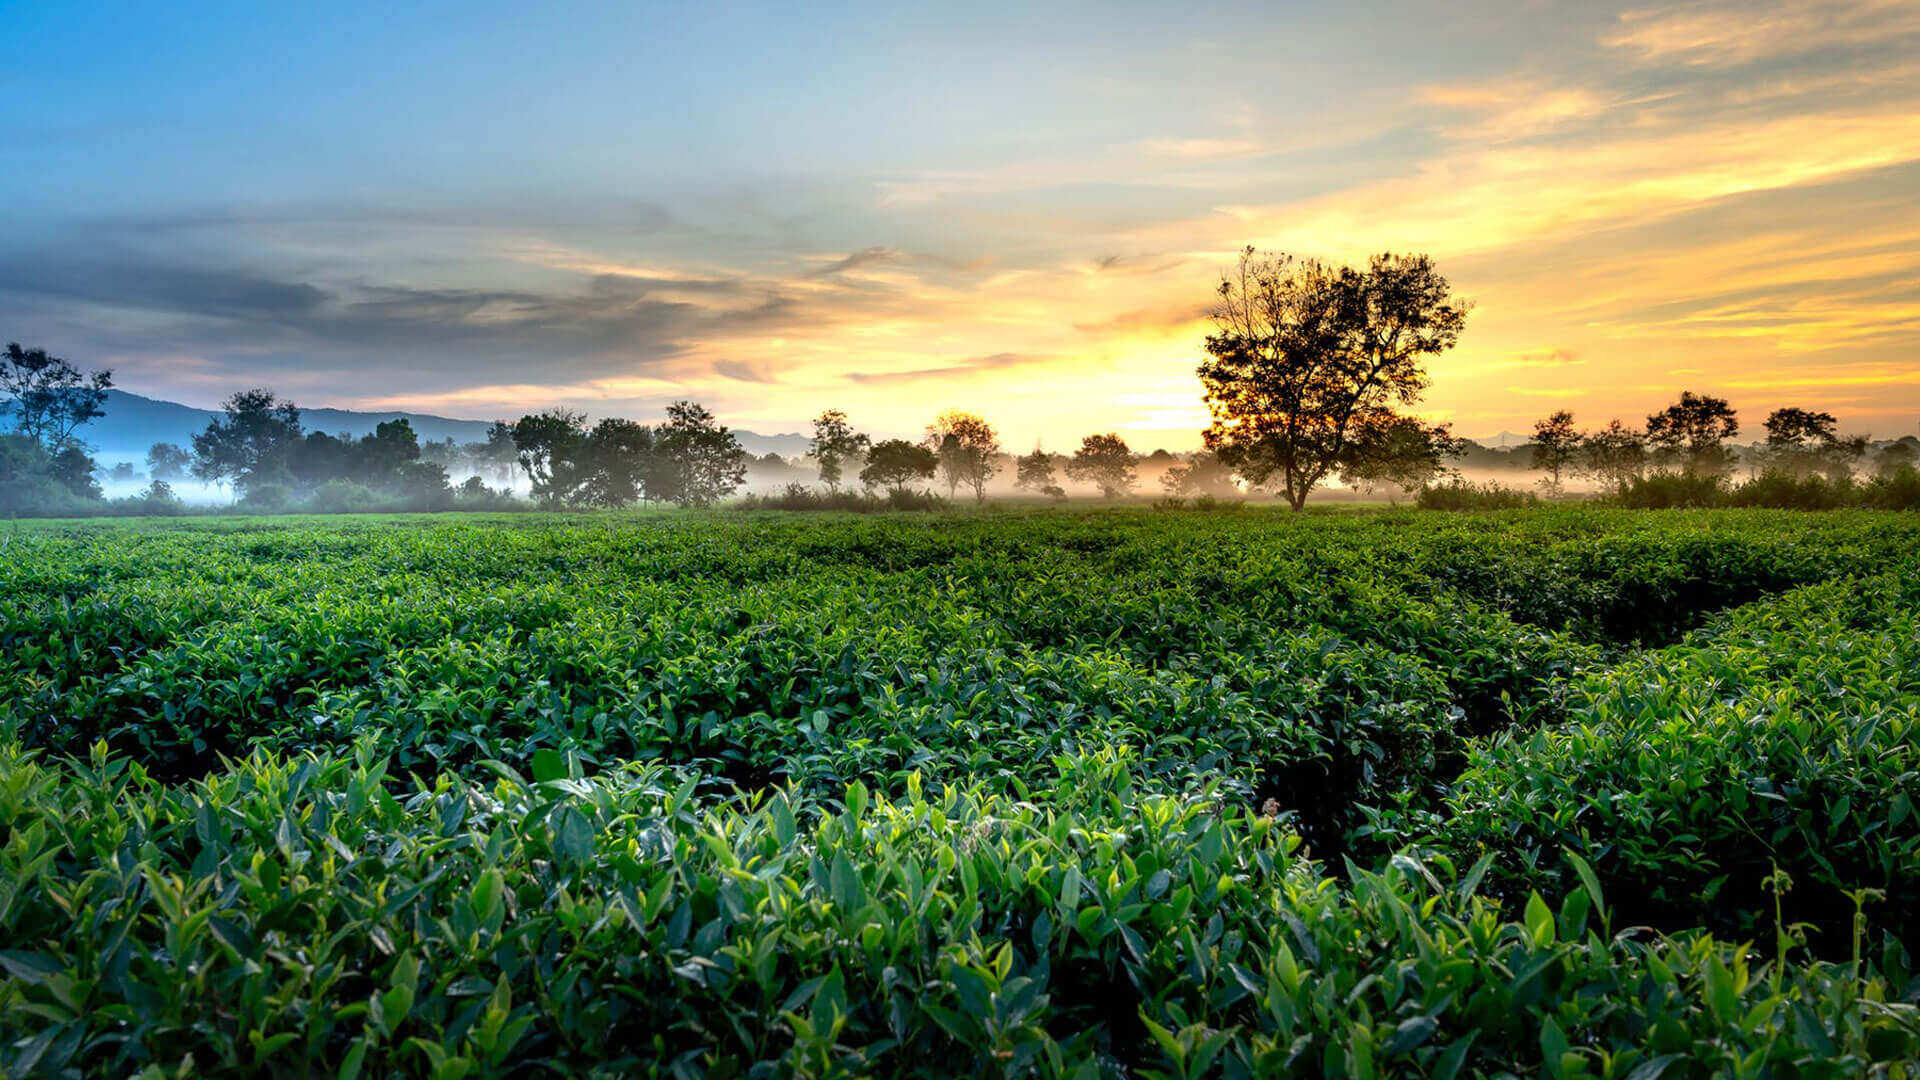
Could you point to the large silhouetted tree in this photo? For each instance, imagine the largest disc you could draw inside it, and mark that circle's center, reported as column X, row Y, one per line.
column 1692, row 433
column 1802, row 442
column 552, row 448
column 1614, row 455
column 620, row 455
column 1305, row 355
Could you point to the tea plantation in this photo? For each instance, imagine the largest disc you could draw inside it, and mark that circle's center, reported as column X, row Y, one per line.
column 1558, row 793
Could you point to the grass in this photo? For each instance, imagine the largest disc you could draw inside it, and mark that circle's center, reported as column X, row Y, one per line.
column 1130, row 792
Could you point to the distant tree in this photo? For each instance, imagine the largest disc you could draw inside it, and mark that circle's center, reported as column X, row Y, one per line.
column 1692, row 433
column 621, row 452
column 896, row 463
column 497, row 457
column 166, row 461
column 551, row 447
column 379, row 455
column 1401, row 453
column 321, row 457
column 1034, row 472
column 123, row 472
column 701, row 460
column 48, row 397
column 1203, row 473
column 1613, row 455
column 834, row 443
column 1802, row 442
column 251, row 443
column 967, row 447
column 1900, row 454
column 1304, row 355
column 1106, row 462
column 1555, row 446
column 72, row 469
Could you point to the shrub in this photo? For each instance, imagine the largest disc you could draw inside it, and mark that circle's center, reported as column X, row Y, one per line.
column 1895, row 490
column 1664, row 490
column 1786, row 491
column 1458, row 494
column 344, row 497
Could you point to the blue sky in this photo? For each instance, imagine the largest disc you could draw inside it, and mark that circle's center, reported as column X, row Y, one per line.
column 892, row 209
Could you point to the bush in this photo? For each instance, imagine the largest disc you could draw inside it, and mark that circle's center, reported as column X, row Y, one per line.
column 344, row 497
column 267, row 498
column 1786, row 491
column 1895, row 490
column 1458, row 494
column 338, row 921
column 1668, row 490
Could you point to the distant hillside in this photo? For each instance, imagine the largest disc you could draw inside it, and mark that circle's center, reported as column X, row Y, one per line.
column 133, row 423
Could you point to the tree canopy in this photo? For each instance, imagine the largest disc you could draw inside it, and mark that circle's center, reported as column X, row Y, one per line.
column 1308, row 358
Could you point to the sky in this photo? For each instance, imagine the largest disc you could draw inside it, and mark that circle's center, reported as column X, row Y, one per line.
column 482, row 209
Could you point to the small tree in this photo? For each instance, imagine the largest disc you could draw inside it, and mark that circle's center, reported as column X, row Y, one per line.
column 552, row 448
column 166, row 461
column 620, row 456
column 895, row 463
column 1615, row 455
column 701, row 460
column 48, row 397
column 1802, row 442
column 1692, row 432
column 967, row 446
column 1902, row 453
column 1106, row 462
column 834, row 443
column 252, row 443
column 1555, row 445
column 1034, row 472
column 1305, row 355
column 1203, row 473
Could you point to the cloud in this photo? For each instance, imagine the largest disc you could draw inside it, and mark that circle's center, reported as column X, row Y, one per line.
column 855, row 261
column 1722, row 34
column 978, row 365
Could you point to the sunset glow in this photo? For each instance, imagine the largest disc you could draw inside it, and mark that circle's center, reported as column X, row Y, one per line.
column 611, row 209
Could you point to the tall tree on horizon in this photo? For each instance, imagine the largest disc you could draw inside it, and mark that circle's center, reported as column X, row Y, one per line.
column 1555, row 445
column 1306, row 356
column 1106, row 462
column 967, row 447
column 1693, row 432
column 49, row 398
column 251, row 443
column 834, row 443
column 700, row 460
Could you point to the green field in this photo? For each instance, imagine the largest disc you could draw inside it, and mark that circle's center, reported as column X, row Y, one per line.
column 1129, row 793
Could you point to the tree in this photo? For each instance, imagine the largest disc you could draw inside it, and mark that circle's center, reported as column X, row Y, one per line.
column 1304, row 354
column 551, row 447
column 166, row 461
column 497, row 457
column 1900, row 454
column 621, row 452
column 1203, row 473
column 1614, row 455
column 1692, row 432
column 895, row 463
column 701, row 460
column 1106, row 462
column 252, row 443
column 48, row 397
column 1555, row 445
column 834, row 442
column 1402, row 453
column 379, row 455
column 966, row 446
column 1034, row 472
column 1801, row 442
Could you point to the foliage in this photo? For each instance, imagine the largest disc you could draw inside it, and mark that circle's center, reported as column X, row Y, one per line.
column 1556, row 445
column 895, row 463
column 967, row 448
column 1051, row 794
column 1692, row 432
column 1306, row 357
column 1034, row 472
column 165, row 461
column 1615, row 455
column 1105, row 462
column 1666, row 489
column 49, row 398
column 835, row 443
column 1402, row 454
column 1460, row 494
column 700, row 460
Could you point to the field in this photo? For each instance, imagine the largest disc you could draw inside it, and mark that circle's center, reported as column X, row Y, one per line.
column 1135, row 793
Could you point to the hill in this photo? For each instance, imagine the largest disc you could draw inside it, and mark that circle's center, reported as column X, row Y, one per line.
column 134, row 422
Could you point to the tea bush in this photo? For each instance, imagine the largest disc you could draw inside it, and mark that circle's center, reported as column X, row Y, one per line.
column 1059, row 794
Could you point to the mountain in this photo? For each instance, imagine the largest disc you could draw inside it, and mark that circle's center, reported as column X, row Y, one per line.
column 1504, row 440
column 133, row 423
